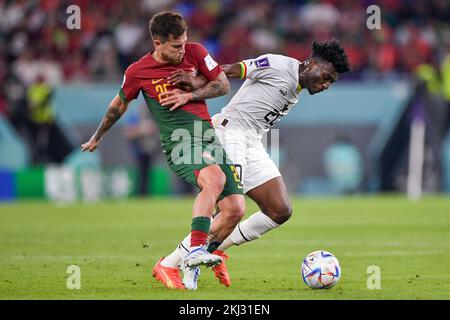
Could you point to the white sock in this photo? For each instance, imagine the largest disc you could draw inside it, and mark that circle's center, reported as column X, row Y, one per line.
column 185, row 246
column 173, row 260
column 250, row 229
column 226, row 244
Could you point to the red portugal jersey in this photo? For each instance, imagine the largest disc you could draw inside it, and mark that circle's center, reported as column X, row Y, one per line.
column 150, row 77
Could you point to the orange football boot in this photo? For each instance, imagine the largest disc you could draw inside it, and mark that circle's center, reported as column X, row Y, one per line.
column 221, row 271
column 170, row 277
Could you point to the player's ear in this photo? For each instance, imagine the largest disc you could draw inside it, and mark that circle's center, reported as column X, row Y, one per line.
column 311, row 63
column 156, row 43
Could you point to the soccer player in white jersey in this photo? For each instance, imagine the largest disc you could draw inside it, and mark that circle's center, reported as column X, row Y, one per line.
column 271, row 89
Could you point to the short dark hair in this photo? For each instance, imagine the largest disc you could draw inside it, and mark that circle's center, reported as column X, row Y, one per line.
column 165, row 24
column 333, row 52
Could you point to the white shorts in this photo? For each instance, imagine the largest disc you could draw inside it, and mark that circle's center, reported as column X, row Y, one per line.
column 246, row 150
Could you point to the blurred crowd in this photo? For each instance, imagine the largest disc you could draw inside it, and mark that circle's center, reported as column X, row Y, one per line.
column 34, row 38
column 38, row 51
column 35, row 42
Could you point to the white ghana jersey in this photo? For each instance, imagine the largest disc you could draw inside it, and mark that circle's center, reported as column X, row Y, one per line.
column 269, row 92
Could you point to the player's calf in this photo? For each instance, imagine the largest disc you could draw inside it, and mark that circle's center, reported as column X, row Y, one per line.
column 232, row 210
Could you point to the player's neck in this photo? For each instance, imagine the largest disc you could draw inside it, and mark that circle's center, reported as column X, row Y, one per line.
column 301, row 78
column 158, row 57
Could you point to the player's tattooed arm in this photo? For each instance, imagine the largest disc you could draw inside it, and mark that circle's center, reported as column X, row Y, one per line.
column 186, row 81
column 176, row 98
column 116, row 109
column 216, row 88
column 232, row 70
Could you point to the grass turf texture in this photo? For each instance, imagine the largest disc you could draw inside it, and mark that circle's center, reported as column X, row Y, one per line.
column 116, row 245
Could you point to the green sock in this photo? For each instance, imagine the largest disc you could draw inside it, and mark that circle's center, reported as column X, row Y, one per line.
column 213, row 246
column 201, row 224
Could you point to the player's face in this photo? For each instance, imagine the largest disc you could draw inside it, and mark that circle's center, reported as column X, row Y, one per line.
column 320, row 77
column 172, row 50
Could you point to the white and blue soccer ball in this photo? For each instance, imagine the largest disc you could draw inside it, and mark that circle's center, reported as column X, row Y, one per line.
column 321, row 270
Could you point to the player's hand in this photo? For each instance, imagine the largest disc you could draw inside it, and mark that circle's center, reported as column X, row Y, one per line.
column 90, row 146
column 175, row 97
column 184, row 79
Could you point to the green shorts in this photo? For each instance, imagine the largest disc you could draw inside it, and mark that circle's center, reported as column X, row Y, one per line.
column 187, row 153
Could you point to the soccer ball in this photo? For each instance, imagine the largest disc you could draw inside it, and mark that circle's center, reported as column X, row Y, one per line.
column 321, row 270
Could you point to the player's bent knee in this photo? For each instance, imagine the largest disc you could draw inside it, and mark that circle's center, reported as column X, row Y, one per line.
column 279, row 213
column 215, row 187
column 287, row 213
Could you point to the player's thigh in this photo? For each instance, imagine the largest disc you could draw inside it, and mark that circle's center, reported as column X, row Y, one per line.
column 273, row 200
column 272, row 193
column 259, row 167
column 265, row 185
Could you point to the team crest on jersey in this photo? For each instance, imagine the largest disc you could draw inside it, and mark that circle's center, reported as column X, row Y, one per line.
column 194, row 72
column 262, row 63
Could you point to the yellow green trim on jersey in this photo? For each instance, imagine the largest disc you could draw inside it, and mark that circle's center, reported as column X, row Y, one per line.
column 243, row 70
column 299, row 88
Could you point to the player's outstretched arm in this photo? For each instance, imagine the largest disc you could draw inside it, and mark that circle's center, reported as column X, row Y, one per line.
column 232, row 70
column 116, row 109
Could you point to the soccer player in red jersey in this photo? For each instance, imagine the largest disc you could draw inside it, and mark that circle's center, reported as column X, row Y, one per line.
column 184, row 116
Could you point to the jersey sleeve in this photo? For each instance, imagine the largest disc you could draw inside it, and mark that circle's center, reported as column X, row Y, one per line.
column 255, row 68
column 207, row 66
column 130, row 86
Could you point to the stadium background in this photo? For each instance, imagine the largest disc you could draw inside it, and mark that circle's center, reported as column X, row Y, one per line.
column 400, row 77
column 371, row 106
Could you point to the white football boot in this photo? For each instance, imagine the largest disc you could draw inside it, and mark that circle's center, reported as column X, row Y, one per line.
column 199, row 256
column 190, row 265
column 190, row 276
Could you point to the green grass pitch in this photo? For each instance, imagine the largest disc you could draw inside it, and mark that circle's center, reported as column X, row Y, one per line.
column 116, row 244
